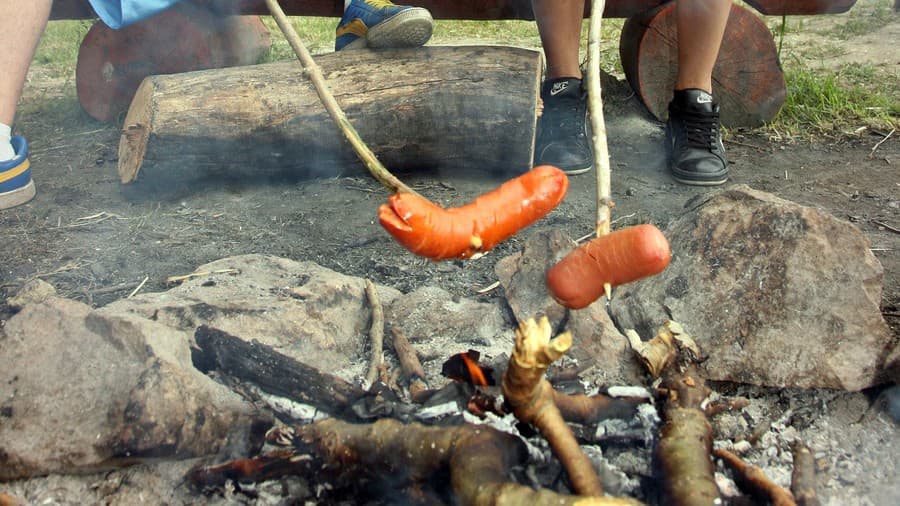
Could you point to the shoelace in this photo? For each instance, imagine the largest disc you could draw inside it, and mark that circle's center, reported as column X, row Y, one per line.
column 701, row 128
column 565, row 117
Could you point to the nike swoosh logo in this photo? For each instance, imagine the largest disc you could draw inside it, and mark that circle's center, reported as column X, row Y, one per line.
column 559, row 88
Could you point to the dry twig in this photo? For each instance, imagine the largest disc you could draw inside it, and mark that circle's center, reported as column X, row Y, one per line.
column 530, row 395
column 171, row 280
column 879, row 143
column 588, row 410
column 138, row 288
column 337, row 114
column 376, row 334
column 409, row 363
column 756, row 480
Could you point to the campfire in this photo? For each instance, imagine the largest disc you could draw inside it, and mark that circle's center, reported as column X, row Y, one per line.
column 461, row 443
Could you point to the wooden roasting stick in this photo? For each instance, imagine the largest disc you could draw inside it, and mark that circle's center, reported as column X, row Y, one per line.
column 598, row 126
column 365, row 154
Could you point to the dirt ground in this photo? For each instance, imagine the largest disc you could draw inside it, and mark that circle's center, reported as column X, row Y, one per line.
column 96, row 240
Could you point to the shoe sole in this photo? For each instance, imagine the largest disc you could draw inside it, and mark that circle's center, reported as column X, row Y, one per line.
column 410, row 28
column 18, row 196
column 575, row 172
column 694, row 182
column 686, row 179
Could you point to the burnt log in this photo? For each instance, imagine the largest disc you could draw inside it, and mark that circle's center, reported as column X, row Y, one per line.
column 272, row 372
column 112, row 63
column 747, row 79
column 436, row 108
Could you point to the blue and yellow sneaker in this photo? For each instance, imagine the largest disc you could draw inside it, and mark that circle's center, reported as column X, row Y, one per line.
column 16, row 186
column 380, row 23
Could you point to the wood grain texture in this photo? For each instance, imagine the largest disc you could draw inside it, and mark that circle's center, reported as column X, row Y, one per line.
column 431, row 108
column 748, row 81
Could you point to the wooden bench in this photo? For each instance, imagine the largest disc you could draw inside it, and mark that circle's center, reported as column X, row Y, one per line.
column 198, row 34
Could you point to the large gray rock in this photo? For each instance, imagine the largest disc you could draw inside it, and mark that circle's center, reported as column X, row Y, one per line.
column 775, row 293
column 93, row 389
column 597, row 342
column 72, row 400
column 302, row 309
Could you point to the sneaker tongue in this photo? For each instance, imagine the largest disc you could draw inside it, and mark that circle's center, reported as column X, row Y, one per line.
column 564, row 87
column 697, row 100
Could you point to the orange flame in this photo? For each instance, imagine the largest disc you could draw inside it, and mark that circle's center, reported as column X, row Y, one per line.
column 475, row 372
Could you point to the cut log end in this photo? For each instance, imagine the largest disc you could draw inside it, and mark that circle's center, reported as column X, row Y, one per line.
column 112, row 63
column 748, row 81
column 136, row 132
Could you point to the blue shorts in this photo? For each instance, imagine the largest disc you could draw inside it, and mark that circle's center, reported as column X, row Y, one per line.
column 121, row 13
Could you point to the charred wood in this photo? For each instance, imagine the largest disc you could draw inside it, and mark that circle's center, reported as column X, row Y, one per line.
column 272, row 372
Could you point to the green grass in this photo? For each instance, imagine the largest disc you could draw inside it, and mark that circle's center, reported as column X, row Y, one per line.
column 823, row 101
column 58, row 50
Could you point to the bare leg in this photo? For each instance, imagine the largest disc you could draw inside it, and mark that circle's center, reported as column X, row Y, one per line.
column 21, row 26
column 701, row 26
column 559, row 23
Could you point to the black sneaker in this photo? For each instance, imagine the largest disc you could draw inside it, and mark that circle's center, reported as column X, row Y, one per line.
column 693, row 141
column 562, row 132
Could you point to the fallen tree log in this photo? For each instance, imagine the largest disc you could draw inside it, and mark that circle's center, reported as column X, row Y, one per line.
column 436, row 108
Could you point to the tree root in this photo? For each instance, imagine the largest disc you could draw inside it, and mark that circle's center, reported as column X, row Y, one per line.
column 755, row 480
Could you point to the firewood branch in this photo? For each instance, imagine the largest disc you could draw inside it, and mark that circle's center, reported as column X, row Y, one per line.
column 686, row 437
column 479, row 460
column 754, row 479
column 530, row 395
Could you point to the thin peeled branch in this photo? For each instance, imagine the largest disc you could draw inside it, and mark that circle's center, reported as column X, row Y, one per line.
column 530, row 395
column 365, row 154
column 598, row 126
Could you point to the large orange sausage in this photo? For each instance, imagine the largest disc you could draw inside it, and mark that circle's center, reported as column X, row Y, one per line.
column 619, row 257
column 460, row 232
